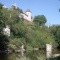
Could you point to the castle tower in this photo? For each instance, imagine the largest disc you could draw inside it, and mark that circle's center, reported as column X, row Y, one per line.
column 28, row 13
column 14, row 5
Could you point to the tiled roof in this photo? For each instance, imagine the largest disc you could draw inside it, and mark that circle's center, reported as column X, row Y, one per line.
column 28, row 10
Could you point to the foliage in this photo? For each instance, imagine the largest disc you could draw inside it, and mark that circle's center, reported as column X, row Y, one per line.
column 3, row 39
column 2, row 18
column 39, row 37
column 31, row 34
column 40, row 19
column 3, row 42
column 0, row 7
column 55, row 30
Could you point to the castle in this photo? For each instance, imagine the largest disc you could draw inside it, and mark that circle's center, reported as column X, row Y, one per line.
column 27, row 15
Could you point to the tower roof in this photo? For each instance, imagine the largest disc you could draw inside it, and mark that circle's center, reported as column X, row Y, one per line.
column 14, row 5
column 28, row 10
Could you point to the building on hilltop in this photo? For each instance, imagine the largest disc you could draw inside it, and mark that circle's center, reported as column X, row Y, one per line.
column 27, row 15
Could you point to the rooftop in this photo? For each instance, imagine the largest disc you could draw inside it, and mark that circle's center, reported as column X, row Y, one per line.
column 28, row 10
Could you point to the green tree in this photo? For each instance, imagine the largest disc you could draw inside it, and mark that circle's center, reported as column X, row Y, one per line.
column 3, row 39
column 40, row 19
column 33, row 34
column 38, row 36
column 2, row 18
column 55, row 30
column 3, row 42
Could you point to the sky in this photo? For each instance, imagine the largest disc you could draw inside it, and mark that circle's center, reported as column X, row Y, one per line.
column 48, row 8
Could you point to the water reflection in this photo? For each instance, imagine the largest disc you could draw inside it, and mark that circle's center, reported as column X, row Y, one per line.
column 16, row 56
column 12, row 56
column 36, row 55
column 29, row 55
column 56, row 58
column 3, row 56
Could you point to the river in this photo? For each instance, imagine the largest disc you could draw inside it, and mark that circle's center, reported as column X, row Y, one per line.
column 29, row 55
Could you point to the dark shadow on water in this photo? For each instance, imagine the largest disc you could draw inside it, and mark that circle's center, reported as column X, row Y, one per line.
column 56, row 58
column 3, row 56
column 31, row 55
column 3, row 42
column 36, row 55
column 3, row 46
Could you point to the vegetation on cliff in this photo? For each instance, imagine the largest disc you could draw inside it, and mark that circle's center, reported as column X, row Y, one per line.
column 31, row 34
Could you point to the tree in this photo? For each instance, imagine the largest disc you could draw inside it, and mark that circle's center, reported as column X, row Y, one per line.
column 20, row 10
column 3, row 42
column 3, row 39
column 38, row 37
column 33, row 34
column 59, row 10
column 55, row 30
column 40, row 19
column 1, row 18
column 0, row 7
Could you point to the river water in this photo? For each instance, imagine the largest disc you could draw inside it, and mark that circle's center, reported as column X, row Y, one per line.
column 30, row 55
